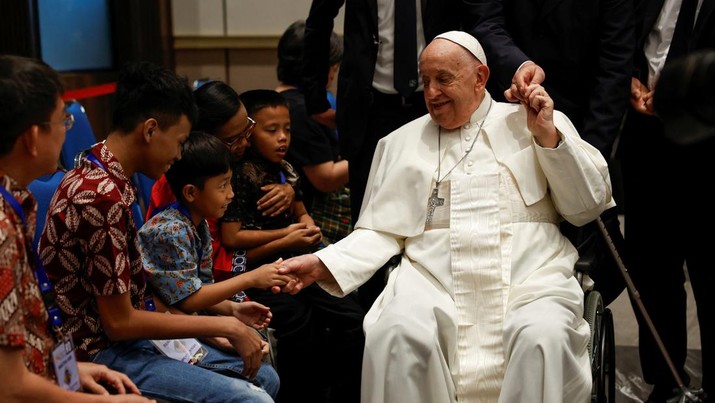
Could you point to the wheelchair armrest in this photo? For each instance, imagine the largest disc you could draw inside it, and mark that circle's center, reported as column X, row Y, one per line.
column 584, row 264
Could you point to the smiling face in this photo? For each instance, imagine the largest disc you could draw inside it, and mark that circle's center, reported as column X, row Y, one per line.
column 271, row 136
column 213, row 199
column 454, row 82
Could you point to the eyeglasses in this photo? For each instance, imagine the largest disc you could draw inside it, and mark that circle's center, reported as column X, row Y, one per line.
column 68, row 121
column 244, row 134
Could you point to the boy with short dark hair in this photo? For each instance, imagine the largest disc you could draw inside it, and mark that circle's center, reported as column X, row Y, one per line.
column 91, row 252
column 305, row 347
column 34, row 362
column 176, row 243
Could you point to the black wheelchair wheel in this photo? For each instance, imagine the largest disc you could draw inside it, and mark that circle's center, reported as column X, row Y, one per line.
column 600, row 348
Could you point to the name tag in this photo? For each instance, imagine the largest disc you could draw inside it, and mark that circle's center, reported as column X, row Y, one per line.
column 186, row 350
column 65, row 363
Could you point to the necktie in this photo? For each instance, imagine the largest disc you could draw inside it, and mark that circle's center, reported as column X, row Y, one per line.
column 683, row 29
column 405, row 54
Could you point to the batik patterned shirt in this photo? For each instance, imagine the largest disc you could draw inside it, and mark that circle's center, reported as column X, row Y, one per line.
column 89, row 246
column 23, row 317
column 176, row 254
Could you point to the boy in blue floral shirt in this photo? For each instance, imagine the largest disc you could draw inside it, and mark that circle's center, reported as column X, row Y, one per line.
column 176, row 244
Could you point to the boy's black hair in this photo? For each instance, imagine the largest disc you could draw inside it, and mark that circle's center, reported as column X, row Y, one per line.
column 29, row 89
column 290, row 53
column 217, row 102
column 145, row 90
column 203, row 156
column 255, row 100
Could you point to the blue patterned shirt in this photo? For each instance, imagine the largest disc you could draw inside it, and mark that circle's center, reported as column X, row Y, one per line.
column 176, row 254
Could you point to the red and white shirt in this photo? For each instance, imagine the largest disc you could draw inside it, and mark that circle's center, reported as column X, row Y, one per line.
column 23, row 317
column 89, row 246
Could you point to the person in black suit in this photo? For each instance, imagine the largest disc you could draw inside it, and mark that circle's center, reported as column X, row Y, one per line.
column 663, row 173
column 582, row 52
column 368, row 105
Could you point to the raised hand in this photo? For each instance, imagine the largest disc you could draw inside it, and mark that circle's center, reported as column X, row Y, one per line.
column 540, row 116
column 529, row 74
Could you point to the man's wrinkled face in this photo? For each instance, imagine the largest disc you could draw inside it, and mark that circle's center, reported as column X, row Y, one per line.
column 454, row 82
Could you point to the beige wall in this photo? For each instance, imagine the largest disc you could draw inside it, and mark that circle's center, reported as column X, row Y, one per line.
column 233, row 40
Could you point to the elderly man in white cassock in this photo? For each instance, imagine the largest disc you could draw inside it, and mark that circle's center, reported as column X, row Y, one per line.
column 483, row 306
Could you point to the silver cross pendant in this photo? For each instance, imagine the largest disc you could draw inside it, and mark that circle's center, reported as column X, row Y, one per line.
column 433, row 202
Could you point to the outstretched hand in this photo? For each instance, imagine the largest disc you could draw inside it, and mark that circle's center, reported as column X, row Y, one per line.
column 529, row 74
column 305, row 269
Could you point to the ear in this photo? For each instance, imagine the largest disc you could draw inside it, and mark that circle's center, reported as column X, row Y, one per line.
column 148, row 128
column 189, row 192
column 30, row 139
column 482, row 77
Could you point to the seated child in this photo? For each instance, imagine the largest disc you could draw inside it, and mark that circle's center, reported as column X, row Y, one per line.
column 176, row 244
column 90, row 249
column 222, row 114
column 305, row 347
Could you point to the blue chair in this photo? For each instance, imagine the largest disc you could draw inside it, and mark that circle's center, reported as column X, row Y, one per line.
column 143, row 184
column 43, row 189
column 79, row 138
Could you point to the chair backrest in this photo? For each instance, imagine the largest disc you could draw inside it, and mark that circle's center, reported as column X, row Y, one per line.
column 143, row 184
column 43, row 189
column 80, row 137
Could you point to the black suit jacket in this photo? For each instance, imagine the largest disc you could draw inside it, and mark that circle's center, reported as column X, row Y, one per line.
column 703, row 36
column 360, row 36
column 584, row 46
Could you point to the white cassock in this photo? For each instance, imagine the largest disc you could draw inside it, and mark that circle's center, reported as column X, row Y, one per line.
column 483, row 306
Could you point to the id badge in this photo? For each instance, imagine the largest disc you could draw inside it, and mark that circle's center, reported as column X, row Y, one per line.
column 65, row 363
column 187, row 350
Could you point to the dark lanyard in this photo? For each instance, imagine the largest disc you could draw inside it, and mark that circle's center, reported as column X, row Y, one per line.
column 183, row 210
column 148, row 299
column 48, row 294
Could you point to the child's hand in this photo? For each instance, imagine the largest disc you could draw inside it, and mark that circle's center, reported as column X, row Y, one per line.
column 220, row 343
column 267, row 276
column 303, row 238
column 253, row 314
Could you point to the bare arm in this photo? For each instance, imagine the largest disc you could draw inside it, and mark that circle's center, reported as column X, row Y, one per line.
column 210, row 295
column 297, row 235
column 122, row 322
column 328, row 176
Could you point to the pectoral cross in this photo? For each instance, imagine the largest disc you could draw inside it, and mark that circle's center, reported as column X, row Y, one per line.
column 433, row 202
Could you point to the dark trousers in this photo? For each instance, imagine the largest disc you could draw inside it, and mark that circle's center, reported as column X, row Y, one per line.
column 387, row 113
column 669, row 224
column 320, row 344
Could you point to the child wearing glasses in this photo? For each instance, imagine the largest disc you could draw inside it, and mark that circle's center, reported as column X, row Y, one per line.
column 305, row 346
column 222, row 114
column 90, row 250
column 34, row 363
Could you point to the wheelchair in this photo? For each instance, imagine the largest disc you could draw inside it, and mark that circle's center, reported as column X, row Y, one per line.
column 601, row 345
